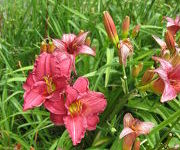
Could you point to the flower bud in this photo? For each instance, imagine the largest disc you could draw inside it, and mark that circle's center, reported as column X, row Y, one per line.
column 148, row 76
column 88, row 41
column 170, row 42
column 137, row 144
column 110, row 28
column 166, row 54
column 135, row 31
column 80, row 32
column 137, row 69
column 125, row 27
column 175, row 60
column 43, row 47
column 158, row 86
column 47, row 46
column 125, row 49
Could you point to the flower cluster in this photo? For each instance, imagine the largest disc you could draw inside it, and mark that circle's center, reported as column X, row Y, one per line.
column 49, row 84
column 167, row 82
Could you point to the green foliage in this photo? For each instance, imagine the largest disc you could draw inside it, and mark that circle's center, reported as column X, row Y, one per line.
column 22, row 28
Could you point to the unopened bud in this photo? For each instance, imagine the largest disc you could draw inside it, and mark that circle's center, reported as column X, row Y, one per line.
column 137, row 145
column 125, row 27
column 148, row 76
column 166, row 54
column 47, row 46
column 158, row 86
column 80, row 32
column 88, row 41
column 137, row 69
column 135, row 31
column 110, row 28
column 170, row 42
column 175, row 60
column 43, row 47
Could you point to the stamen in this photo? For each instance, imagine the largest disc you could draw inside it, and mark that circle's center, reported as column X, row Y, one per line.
column 51, row 87
column 75, row 107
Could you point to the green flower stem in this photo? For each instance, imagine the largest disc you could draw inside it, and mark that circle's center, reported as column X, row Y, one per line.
column 125, row 79
column 145, row 87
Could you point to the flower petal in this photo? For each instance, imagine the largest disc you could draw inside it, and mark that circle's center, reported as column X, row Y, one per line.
column 56, row 104
column 84, row 49
column 94, row 102
column 128, row 141
column 64, row 63
column 81, row 85
column 68, row 38
column 165, row 65
column 125, row 132
column 175, row 74
column 57, row 119
column 161, row 43
column 76, row 127
column 92, row 122
column 60, row 82
column 80, row 39
column 45, row 65
column 34, row 97
column 71, row 95
column 60, row 45
column 128, row 120
column 169, row 92
column 143, row 127
column 29, row 82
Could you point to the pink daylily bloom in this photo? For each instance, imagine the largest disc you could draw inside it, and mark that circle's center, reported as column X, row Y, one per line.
column 132, row 129
column 47, row 82
column 173, row 25
column 83, row 107
column 74, row 45
column 169, row 78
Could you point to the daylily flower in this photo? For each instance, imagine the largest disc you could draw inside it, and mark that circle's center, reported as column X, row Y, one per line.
column 132, row 129
column 173, row 25
column 74, row 45
column 168, row 82
column 83, row 107
column 110, row 28
column 47, row 82
column 125, row 49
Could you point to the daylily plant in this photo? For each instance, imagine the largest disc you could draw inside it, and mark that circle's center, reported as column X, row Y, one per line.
column 168, row 83
column 82, row 109
column 132, row 129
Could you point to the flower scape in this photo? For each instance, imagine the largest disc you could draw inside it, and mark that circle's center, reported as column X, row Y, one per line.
column 105, row 76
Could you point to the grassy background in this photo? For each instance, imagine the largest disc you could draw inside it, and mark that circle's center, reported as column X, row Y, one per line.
column 22, row 28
